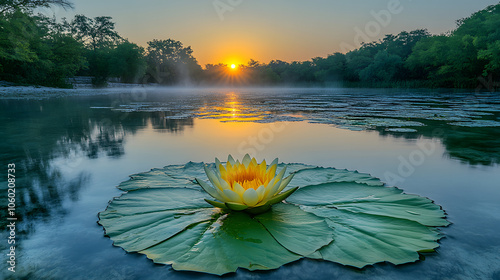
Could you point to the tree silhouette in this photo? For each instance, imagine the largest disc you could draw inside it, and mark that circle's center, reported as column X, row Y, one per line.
column 9, row 6
column 169, row 62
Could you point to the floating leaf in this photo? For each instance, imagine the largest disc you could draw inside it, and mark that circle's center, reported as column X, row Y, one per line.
column 335, row 215
column 477, row 123
column 291, row 227
column 319, row 175
column 173, row 176
column 222, row 245
column 143, row 218
column 372, row 223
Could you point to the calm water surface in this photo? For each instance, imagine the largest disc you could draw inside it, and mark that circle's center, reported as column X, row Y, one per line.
column 72, row 152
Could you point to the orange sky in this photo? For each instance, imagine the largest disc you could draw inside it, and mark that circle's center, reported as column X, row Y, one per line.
column 289, row 30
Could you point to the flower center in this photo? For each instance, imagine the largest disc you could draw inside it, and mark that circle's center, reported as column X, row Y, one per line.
column 248, row 178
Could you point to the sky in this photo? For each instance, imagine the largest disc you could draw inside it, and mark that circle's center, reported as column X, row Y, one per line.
column 235, row 31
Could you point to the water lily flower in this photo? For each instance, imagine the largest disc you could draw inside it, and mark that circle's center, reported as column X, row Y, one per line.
column 247, row 185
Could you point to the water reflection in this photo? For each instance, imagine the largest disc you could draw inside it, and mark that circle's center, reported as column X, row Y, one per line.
column 47, row 139
column 54, row 142
column 66, row 130
column 474, row 146
column 468, row 123
column 231, row 110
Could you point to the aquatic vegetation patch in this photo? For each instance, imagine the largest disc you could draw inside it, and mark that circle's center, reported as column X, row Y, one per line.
column 328, row 214
column 477, row 123
column 402, row 130
column 360, row 111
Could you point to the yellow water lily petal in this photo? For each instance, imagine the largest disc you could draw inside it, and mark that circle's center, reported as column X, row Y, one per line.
column 272, row 192
column 237, row 188
column 211, row 191
column 230, row 160
column 218, row 164
column 223, row 184
column 233, row 196
column 272, row 166
column 263, row 167
column 212, row 177
column 246, row 183
column 261, row 192
column 281, row 174
column 275, row 180
column 285, row 183
column 276, row 183
column 250, row 197
column 246, row 160
column 220, row 191
column 222, row 171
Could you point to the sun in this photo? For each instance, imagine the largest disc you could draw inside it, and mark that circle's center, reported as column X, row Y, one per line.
column 233, row 66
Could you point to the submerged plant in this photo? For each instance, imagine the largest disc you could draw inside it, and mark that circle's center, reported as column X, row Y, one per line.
column 247, row 185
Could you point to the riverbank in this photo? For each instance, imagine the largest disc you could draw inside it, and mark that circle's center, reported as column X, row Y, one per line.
column 37, row 92
column 13, row 91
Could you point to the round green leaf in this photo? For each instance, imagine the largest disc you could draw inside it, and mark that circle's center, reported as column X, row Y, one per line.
column 174, row 225
column 172, row 176
column 143, row 218
column 362, row 239
column 336, row 215
column 375, row 200
column 223, row 245
column 298, row 231
column 308, row 175
column 372, row 223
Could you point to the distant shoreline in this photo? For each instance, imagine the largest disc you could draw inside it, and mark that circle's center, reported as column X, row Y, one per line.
column 38, row 92
column 41, row 92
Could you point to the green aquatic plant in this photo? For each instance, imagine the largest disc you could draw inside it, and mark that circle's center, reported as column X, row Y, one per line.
column 335, row 215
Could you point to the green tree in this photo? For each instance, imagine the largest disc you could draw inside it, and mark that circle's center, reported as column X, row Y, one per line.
column 492, row 56
column 16, row 32
column 100, row 38
column 215, row 73
column 10, row 6
column 383, row 68
column 330, row 69
column 268, row 76
column 402, row 44
column 169, row 62
column 299, row 72
column 278, row 66
column 29, row 53
column 356, row 61
column 95, row 32
column 127, row 62
column 428, row 56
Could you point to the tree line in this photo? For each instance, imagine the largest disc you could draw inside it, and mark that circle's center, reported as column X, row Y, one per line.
column 35, row 49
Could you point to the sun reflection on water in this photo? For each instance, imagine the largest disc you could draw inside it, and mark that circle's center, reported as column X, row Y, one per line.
column 232, row 110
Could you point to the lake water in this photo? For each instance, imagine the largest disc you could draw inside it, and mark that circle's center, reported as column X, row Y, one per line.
column 71, row 153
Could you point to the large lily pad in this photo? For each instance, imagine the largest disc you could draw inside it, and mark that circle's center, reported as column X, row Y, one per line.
column 336, row 215
column 222, row 245
column 373, row 224
column 172, row 176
